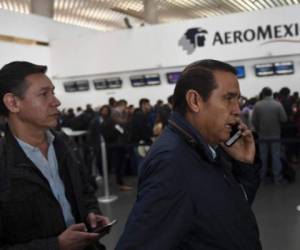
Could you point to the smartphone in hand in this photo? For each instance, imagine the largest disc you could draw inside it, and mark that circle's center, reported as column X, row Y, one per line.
column 103, row 229
column 235, row 134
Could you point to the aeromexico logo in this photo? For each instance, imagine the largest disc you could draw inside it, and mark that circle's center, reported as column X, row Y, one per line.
column 193, row 38
column 198, row 37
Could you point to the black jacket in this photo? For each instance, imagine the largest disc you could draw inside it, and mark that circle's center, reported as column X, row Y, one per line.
column 106, row 128
column 140, row 128
column 188, row 200
column 30, row 215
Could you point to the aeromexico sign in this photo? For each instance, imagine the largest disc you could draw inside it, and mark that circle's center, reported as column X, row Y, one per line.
column 195, row 38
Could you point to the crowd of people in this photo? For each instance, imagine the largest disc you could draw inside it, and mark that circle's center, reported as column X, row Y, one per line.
column 275, row 118
column 194, row 192
column 128, row 131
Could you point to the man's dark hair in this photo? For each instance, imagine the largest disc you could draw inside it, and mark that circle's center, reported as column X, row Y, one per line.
column 111, row 101
column 295, row 94
column 199, row 77
column 12, row 79
column 142, row 101
column 284, row 92
column 276, row 95
column 266, row 91
column 105, row 107
column 122, row 102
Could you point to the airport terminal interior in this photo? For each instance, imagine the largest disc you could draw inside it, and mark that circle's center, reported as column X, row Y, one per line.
column 115, row 64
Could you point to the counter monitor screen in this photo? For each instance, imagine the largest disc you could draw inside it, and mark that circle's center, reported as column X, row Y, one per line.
column 152, row 79
column 70, row 86
column 266, row 69
column 83, row 85
column 114, row 83
column 173, row 77
column 138, row 81
column 284, row 68
column 100, row 84
column 240, row 71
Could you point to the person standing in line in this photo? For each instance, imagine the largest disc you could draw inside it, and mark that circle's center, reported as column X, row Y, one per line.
column 267, row 117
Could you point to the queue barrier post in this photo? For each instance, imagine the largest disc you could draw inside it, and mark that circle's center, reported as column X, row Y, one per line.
column 107, row 198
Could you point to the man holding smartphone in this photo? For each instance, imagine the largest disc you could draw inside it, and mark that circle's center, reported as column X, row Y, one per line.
column 194, row 192
column 46, row 202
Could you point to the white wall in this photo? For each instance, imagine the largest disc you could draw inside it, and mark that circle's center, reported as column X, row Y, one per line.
column 16, row 52
column 36, row 28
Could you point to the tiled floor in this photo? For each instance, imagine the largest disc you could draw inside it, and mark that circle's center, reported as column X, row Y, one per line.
column 274, row 207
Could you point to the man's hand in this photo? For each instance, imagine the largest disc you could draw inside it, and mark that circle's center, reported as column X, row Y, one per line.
column 76, row 238
column 95, row 220
column 244, row 149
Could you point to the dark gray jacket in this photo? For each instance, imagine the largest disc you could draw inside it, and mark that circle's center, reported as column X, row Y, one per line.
column 30, row 216
column 267, row 117
column 187, row 200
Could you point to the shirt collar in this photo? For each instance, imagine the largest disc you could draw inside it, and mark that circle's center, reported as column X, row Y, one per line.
column 23, row 144
column 192, row 135
column 213, row 152
column 268, row 98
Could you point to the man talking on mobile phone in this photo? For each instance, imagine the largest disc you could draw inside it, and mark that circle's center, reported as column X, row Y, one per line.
column 46, row 202
column 194, row 192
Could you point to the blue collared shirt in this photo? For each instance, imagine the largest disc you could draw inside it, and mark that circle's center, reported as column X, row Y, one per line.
column 49, row 169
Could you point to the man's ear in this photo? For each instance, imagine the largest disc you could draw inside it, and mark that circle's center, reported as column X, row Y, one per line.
column 11, row 102
column 194, row 101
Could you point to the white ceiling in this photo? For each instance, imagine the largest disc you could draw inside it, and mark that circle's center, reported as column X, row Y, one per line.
column 109, row 15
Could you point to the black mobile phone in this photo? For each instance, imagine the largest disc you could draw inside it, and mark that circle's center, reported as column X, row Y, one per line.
column 103, row 229
column 235, row 134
